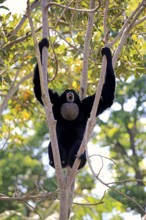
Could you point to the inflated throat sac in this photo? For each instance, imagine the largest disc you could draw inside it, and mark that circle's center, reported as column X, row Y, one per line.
column 69, row 111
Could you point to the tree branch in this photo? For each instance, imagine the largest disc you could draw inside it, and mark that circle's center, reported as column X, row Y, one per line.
column 12, row 90
column 129, row 24
column 73, row 9
column 48, row 106
column 116, row 190
column 84, row 77
column 45, row 95
column 35, row 4
column 20, row 39
column 91, row 121
column 49, row 195
column 139, row 21
column 121, row 193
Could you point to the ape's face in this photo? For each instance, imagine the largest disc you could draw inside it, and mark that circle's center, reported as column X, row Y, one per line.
column 69, row 96
column 69, row 105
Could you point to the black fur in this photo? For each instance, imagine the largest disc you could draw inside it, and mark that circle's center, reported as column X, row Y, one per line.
column 70, row 133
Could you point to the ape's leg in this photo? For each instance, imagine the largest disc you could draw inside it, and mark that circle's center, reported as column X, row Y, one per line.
column 73, row 154
column 63, row 156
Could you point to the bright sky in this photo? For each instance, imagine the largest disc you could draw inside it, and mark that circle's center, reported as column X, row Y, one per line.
column 15, row 6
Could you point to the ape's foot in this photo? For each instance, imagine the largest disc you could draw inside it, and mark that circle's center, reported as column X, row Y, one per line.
column 63, row 163
column 82, row 159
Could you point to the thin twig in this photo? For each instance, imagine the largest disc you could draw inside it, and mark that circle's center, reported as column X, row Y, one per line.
column 121, row 193
column 92, row 204
column 102, row 165
column 98, row 155
column 116, row 190
column 126, row 181
column 71, row 45
column 63, row 12
column 34, row 209
column 49, row 195
column 73, row 9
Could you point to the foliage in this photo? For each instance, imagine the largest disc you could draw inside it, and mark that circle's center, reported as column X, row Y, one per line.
column 22, row 123
column 125, row 134
column 97, row 211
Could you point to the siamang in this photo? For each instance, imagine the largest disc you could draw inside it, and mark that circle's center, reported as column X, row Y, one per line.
column 72, row 114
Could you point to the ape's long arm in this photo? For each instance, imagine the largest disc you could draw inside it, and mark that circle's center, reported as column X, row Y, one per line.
column 36, row 79
column 107, row 95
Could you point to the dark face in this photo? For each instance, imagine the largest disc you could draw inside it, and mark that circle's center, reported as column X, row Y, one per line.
column 70, row 104
column 69, row 96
